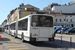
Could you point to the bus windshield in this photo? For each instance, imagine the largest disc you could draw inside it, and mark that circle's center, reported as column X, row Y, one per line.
column 42, row 21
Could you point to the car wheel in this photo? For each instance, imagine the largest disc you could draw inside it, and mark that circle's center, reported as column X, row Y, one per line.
column 66, row 33
column 70, row 33
column 60, row 32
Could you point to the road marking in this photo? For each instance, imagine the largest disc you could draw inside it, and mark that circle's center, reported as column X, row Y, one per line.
column 12, row 41
column 13, row 44
column 18, row 48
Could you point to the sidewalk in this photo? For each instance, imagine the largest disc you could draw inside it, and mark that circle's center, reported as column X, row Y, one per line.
column 65, row 43
column 1, row 45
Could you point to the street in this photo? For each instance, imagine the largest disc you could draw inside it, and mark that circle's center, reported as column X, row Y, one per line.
column 11, row 43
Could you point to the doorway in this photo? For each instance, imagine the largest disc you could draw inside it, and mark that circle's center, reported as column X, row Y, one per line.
column 72, row 25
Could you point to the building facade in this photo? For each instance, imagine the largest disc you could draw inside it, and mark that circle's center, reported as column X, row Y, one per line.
column 21, row 11
column 4, row 23
column 70, row 8
column 66, row 20
column 49, row 6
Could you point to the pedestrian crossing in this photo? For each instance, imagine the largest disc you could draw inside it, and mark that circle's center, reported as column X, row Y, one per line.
column 13, row 44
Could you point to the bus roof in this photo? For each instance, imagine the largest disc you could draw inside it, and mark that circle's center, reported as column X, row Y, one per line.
column 32, row 15
column 41, row 14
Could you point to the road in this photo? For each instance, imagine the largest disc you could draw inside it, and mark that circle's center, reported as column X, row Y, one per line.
column 11, row 43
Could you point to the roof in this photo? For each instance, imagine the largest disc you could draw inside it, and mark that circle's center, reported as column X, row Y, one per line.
column 28, row 5
column 31, row 10
column 61, row 14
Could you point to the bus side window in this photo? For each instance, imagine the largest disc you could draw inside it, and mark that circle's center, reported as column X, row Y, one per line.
column 22, row 25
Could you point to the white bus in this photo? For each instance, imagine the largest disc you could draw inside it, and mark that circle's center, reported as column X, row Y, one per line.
column 7, row 28
column 34, row 27
column 13, row 28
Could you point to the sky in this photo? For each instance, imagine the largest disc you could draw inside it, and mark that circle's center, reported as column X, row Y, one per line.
column 7, row 5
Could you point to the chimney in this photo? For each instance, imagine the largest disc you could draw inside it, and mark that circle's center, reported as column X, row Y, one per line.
column 22, row 4
column 68, row 3
column 59, row 5
column 65, row 4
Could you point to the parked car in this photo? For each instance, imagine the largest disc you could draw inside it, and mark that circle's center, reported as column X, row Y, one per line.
column 64, row 29
column 70, row 30
column 58, row 28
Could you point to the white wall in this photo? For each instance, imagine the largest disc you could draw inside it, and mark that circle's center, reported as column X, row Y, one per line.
column 64, row 9
column 58, row 17
column 62, row 17
column 69, row 18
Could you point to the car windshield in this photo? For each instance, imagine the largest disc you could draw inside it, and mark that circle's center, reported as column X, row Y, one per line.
column 73, row 29
column 57, row 28
column 69, row 29
column 64, row 28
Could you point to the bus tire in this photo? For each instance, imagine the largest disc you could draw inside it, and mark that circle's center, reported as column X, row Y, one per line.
column 15, row 35
column 22, row 37
column 9, row 33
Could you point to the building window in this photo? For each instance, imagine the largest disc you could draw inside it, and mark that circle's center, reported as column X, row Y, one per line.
column 55, row 15
column 60, row 20
column 56, row 20
column 20, row 12
column 71, row 20
column 32, row 8
column 65, row 16
column 58, row 15
column 23, row 24
column 64, row 19
column 70, row 16
column 67, row 20
column 31, row 13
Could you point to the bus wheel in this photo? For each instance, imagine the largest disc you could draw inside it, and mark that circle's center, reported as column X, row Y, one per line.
column 9, row 33
column 15, row 35
column 22, row 37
